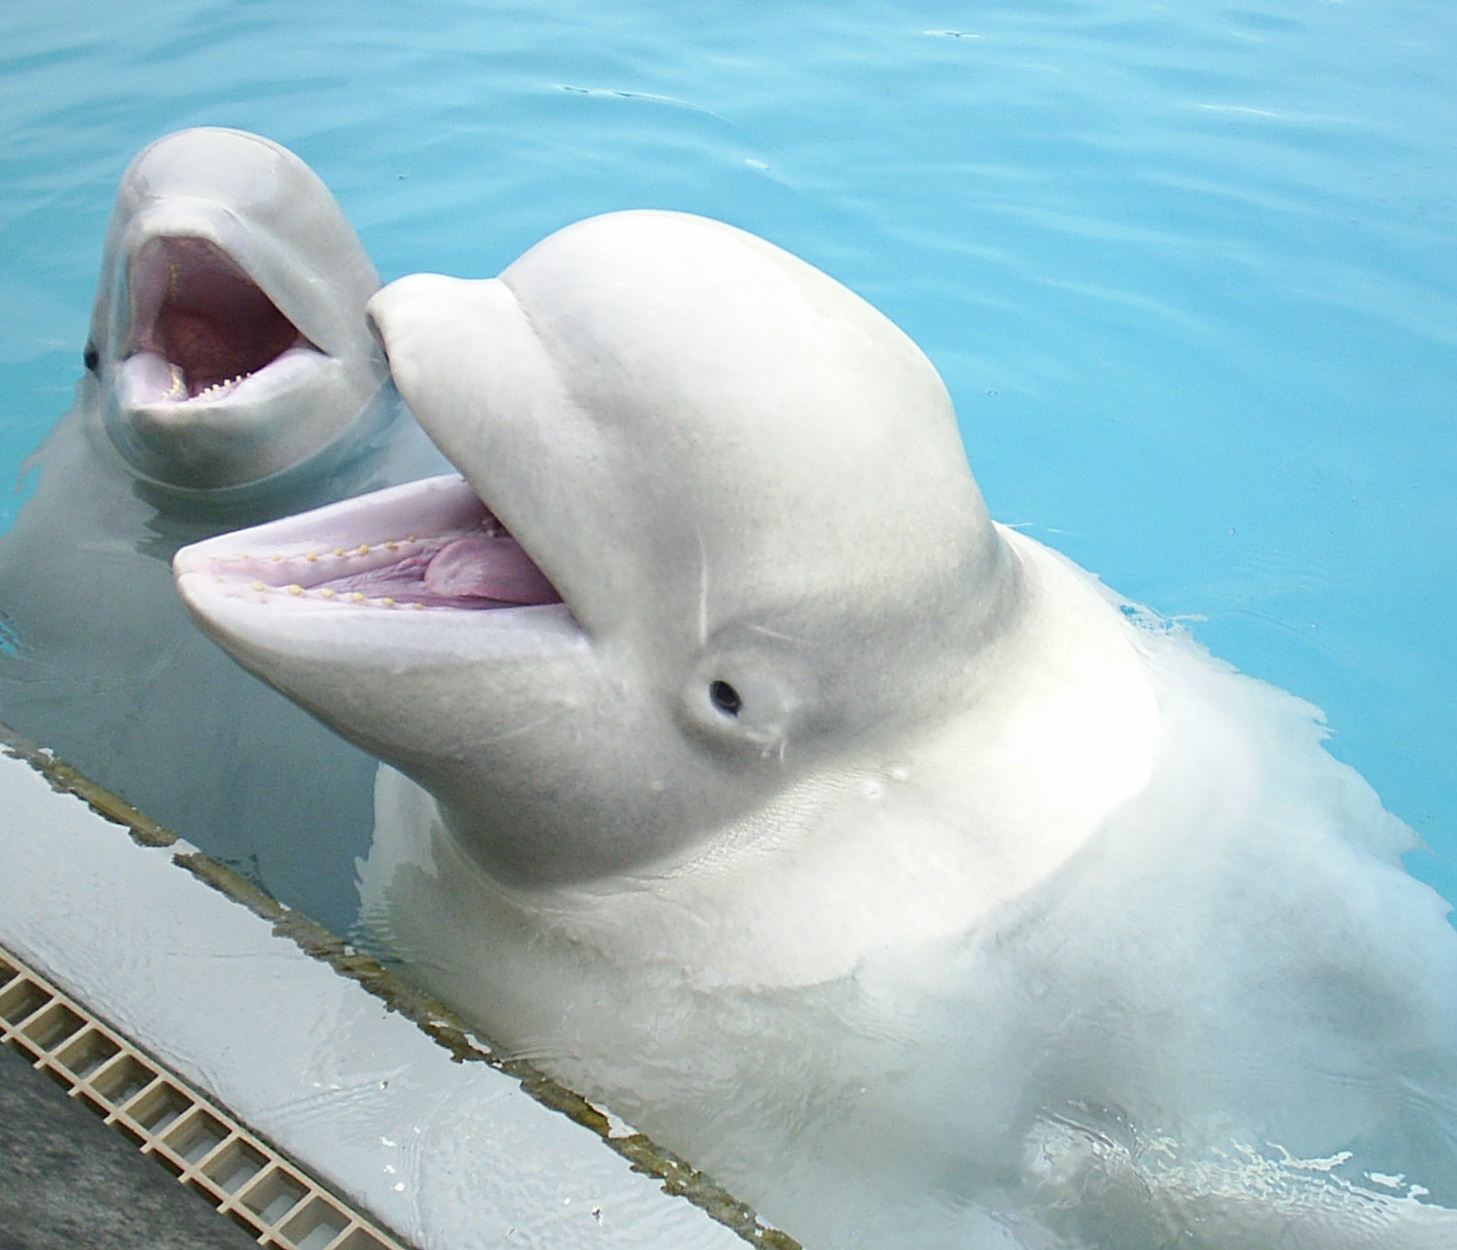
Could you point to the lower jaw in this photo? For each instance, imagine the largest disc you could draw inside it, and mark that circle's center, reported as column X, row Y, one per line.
column 148, row 380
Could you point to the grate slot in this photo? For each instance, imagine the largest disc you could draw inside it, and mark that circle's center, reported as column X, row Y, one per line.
column 234, row 1165
column 158, row 1107
column 21, row 999
column 52, row 1025
column 274, row 1194
column 121, row 1080
column 196, row 1135
column 83, row 1055
column 317, row 1225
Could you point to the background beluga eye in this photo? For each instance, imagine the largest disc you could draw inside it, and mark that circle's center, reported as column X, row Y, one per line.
column 725, row 698
column 90, row 357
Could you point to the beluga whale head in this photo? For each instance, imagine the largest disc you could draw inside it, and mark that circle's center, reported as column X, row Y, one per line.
column 715, row 587
column 227, row 331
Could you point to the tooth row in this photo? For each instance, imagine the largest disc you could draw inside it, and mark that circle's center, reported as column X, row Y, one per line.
column 337, row 553
column 491, row 530
column 215, row 389
column 327, row 593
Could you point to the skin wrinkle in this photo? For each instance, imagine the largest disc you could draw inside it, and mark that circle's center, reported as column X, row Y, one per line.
column 702, row 586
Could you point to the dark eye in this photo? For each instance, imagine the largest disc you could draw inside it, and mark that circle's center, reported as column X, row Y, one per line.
column 90, row 357
column 725, row 698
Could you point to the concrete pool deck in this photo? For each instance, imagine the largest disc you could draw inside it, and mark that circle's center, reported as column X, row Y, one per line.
column 385, row 1101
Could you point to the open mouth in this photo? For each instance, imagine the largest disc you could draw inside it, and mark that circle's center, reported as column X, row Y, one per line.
column 201, row 327
column 430, row 544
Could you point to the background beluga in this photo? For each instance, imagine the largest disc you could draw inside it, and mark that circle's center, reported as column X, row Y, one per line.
column 226, row 333
column 865, row 851
column 230, row 377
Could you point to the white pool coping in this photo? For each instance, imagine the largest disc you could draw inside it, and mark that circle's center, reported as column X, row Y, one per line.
column 449, row 1155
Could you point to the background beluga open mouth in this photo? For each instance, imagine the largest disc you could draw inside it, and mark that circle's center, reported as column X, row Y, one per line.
column 227, row 336
column 200, row 325
column 429, row 544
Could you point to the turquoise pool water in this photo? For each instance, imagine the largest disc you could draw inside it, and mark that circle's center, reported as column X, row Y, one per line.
column 1190, row 272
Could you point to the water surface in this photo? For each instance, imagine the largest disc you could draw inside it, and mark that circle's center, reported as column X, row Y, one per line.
column 1187, row 270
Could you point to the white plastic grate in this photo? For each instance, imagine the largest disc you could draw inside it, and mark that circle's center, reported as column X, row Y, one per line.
column 270, row 1198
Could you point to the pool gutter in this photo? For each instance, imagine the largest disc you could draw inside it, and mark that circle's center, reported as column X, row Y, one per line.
column 370, row 1085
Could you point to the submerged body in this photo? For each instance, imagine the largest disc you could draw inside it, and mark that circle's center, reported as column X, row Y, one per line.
column 229, row 379
column 869, row 854
column 1226, row 1021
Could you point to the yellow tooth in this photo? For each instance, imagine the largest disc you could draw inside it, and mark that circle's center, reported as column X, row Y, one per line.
column 338, row 551
column 259, row 586
column 392, row 545
column 388, row 602
column 363, row 549
column 295, row 589
column 326, row 593
column 312, row 556
column 356, row 596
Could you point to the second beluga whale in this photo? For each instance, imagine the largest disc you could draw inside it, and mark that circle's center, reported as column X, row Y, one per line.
column 226, row 335
column 868, row 853
column 229, row 377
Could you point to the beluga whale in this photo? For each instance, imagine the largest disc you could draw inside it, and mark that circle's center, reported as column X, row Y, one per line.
column 746, row 775
column 229, row 377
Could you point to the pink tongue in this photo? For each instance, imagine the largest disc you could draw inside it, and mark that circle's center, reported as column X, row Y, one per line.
column 479, row 567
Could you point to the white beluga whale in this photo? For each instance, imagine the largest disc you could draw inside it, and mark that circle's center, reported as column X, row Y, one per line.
column 230, row 377
column 747, row 776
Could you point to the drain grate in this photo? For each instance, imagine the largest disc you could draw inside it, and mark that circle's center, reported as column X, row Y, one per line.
column 207, row 1150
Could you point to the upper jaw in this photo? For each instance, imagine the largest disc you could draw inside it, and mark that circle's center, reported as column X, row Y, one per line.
column 200, row 328
column 223, row 368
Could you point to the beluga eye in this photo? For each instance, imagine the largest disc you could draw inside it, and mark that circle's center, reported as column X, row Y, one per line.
column 757, row 688
column 725, row 698
column 90, row 357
